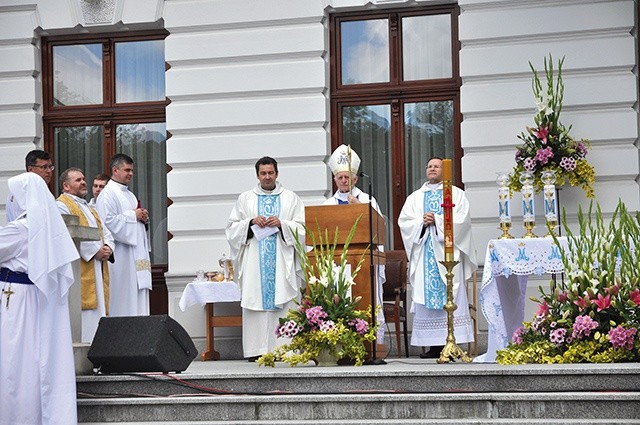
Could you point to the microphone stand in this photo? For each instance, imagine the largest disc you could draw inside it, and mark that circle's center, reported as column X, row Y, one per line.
column 372, row 274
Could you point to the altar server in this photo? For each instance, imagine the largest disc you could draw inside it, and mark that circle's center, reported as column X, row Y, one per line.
column 261, row 233
column 421, row 224
column 37, row 376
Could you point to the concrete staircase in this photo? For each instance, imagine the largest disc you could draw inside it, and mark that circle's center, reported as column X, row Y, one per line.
column 406, row 391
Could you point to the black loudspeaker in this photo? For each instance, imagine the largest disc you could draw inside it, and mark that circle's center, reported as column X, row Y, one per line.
column 141, row 344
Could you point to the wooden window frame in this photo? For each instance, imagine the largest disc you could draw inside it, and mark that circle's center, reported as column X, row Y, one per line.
column 395, row 92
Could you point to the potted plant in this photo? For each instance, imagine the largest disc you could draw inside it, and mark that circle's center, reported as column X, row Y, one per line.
column 327, row 320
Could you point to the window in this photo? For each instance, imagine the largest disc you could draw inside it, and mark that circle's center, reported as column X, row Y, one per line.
column 395, row 98
column 104, row 95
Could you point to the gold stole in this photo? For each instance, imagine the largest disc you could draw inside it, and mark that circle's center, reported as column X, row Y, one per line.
column 87, row 271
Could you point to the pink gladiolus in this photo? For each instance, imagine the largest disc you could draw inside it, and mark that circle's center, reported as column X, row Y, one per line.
column 603, row 303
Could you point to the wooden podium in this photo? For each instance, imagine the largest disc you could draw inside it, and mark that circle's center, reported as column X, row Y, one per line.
column 329, row 217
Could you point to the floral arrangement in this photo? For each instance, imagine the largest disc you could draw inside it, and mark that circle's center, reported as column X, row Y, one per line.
column 595, row 318
column 327, row 318
column 548, row 145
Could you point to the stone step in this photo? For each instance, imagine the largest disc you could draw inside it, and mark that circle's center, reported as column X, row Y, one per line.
column 401, row 422
column 369, row 408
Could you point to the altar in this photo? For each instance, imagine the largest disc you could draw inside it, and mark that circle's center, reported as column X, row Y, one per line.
column 507, row 265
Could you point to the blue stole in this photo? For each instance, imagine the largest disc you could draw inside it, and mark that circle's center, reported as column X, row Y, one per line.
column 268, row 206
column 435, row 290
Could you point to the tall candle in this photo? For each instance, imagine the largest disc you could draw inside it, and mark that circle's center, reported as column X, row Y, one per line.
column 503, row 204
column 447, row 204
column 550, row 204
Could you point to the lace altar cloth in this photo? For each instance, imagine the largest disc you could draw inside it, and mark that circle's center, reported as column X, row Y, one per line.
column 507, row 265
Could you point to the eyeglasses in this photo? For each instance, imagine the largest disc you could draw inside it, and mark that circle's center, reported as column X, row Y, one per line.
column 44, row 167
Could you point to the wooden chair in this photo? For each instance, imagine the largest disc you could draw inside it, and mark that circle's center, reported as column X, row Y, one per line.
column 472, row 298
column 395, row 295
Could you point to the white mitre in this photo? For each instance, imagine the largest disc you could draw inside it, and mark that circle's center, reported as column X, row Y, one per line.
column 339, row 160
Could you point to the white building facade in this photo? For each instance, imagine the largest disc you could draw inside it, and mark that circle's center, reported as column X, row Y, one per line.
column 248, row 78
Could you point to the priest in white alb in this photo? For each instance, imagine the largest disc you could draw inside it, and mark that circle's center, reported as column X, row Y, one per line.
column 344, row 164
column 94, row 269
column 261, row 233
column 121, row 213
column 421, row 224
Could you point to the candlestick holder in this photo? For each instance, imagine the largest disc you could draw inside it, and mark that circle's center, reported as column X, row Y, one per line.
column 548, row 178
column 505, row 227
column 528, row 208
column 504, row 204
column 451, row 351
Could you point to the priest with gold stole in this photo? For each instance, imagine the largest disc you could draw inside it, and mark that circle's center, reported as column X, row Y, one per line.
column 94, row 271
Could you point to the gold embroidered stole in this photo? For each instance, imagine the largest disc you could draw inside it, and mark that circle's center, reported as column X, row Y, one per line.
column 87, row 271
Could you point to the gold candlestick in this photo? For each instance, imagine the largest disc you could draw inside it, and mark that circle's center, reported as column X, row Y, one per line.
column 451, row 351
column 551, row 225
column 505, row 226
column 529, row 225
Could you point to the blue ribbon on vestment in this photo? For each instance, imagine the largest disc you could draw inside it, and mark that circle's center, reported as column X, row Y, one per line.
column 435, row 290
column 268, row 206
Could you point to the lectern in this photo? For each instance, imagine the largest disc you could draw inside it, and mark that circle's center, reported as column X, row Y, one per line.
column 327, row 218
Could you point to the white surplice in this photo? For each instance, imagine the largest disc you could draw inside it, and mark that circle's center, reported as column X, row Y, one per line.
column 88, row 249
column 258, row 322
column 429, row 324
column 37, row 374
column 380, row 272
column 130, row 274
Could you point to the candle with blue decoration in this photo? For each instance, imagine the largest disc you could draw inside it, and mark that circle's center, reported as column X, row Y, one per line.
column 550, row 202
column 528, row 206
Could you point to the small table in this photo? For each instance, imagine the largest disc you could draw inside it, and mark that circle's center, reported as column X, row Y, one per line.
column 507, row 265
column 210, row 293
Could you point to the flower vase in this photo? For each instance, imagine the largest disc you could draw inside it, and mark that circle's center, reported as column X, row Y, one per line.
column 326, row 358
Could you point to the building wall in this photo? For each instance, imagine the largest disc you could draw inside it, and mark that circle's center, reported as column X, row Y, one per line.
column 250, row 78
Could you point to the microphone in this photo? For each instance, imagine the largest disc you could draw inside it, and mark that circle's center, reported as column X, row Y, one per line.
column 363, row 174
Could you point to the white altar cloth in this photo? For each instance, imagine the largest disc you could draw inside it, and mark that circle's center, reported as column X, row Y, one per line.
column 507, row 265
column 209, row 292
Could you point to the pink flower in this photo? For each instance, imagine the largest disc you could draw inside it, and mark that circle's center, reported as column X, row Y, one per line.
column 582, row 326
column 543, row 155
column 612, row 290
column 529, row 164
column 361, row 326
column 582, row 302
column 327, row 326
column 603, row 303
column 543, row 309
column 542, row 134
column 568, row 163
column 562, row 297
column 635, row 296
column 315, row 315
column 620, row 337
column 517, row 335
column 557, row 336
column 582, row 149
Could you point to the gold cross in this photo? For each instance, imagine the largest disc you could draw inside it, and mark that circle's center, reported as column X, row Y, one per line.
column 8, row 291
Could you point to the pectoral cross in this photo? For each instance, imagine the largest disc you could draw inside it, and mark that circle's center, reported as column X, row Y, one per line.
column 9, row 292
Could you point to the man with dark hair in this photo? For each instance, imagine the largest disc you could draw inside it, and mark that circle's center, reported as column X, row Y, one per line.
column 421, row 223
column 121, row 213
column 94, row 272
column 38, row 162
column 261, row 232
column 99, row 182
